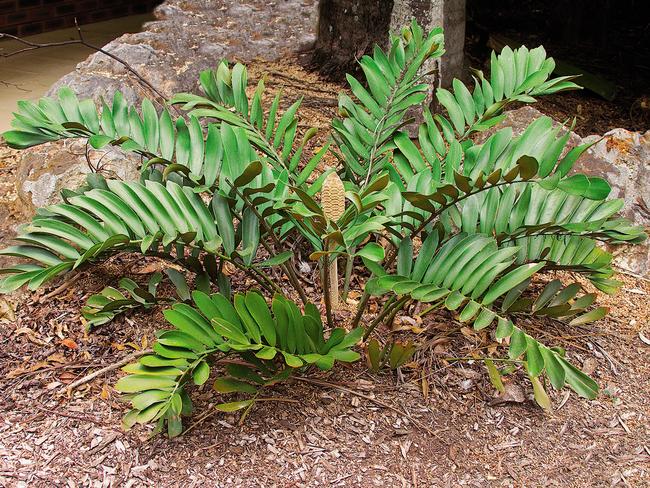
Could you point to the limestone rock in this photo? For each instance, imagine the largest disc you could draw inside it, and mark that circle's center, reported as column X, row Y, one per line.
column 191, row 36
column 623, row 158
column 47, row 169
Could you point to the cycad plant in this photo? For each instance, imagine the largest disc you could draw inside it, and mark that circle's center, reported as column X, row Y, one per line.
column 439, row 220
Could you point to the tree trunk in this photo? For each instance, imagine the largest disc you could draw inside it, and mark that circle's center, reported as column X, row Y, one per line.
column 347, row 30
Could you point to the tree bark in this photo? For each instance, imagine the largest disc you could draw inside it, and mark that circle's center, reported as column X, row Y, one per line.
column 347, row 30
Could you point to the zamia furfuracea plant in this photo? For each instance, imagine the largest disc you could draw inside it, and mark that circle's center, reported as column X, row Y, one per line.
column 437, row 220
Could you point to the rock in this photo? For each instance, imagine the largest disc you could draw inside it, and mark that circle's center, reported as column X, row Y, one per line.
column 191, row 36
column 623, row 159
column 47, row 169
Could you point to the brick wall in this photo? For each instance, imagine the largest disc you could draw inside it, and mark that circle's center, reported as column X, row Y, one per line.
column 26, row 17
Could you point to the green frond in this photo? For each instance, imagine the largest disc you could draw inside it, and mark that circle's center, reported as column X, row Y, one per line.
column 552, row 225
column 275, row 339
column 179, row 145
column 365, row 133
column 66, row 117
column 444, row 146
column 555, row 300
column 104, row 306
column 445, row 155
column 226, row 100
column 515, row 76
column 148, row 217
column 468, row 274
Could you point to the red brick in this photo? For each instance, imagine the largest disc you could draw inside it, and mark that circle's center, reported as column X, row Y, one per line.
column 8, row 6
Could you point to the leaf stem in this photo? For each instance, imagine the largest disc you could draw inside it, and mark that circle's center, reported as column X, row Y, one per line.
column 326, row 285
column 288, row 268
column 360, row 308
column 389, row 308
column 263, row 280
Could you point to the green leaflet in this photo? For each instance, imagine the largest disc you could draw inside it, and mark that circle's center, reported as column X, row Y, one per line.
column 369, row 126
column 215, row 327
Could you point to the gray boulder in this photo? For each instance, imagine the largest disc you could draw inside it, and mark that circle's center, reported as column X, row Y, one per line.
column 191, row 36
column 45, row 170
column 623, row 158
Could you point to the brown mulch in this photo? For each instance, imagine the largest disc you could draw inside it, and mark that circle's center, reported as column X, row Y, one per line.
column 362, row 430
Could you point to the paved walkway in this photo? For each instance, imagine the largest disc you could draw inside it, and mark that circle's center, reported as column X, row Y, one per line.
column 29, row 75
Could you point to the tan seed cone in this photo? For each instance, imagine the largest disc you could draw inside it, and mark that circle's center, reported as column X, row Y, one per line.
column 333, row 203
column 333, row 197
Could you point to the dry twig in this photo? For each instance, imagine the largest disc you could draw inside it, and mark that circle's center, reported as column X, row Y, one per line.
column 61, row 288
column 14, row 85
column 99, row 372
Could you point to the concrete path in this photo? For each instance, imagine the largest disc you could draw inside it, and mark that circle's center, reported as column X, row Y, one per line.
column 29, row 75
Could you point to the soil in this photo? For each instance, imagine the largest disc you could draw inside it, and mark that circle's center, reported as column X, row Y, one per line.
column 437, row 422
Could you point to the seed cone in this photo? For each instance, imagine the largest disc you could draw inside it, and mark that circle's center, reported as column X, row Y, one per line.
column 333, row 203
column 333, row 197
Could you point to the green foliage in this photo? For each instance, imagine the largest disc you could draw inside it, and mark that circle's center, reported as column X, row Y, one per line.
column 393, row 354
column 273, row 342
column 226, row 100
column 515, row 76
column 468, row 274
column 394, row 82
column 442, row 220
column 118, row 216
column 204, row 157
column 104, row 306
